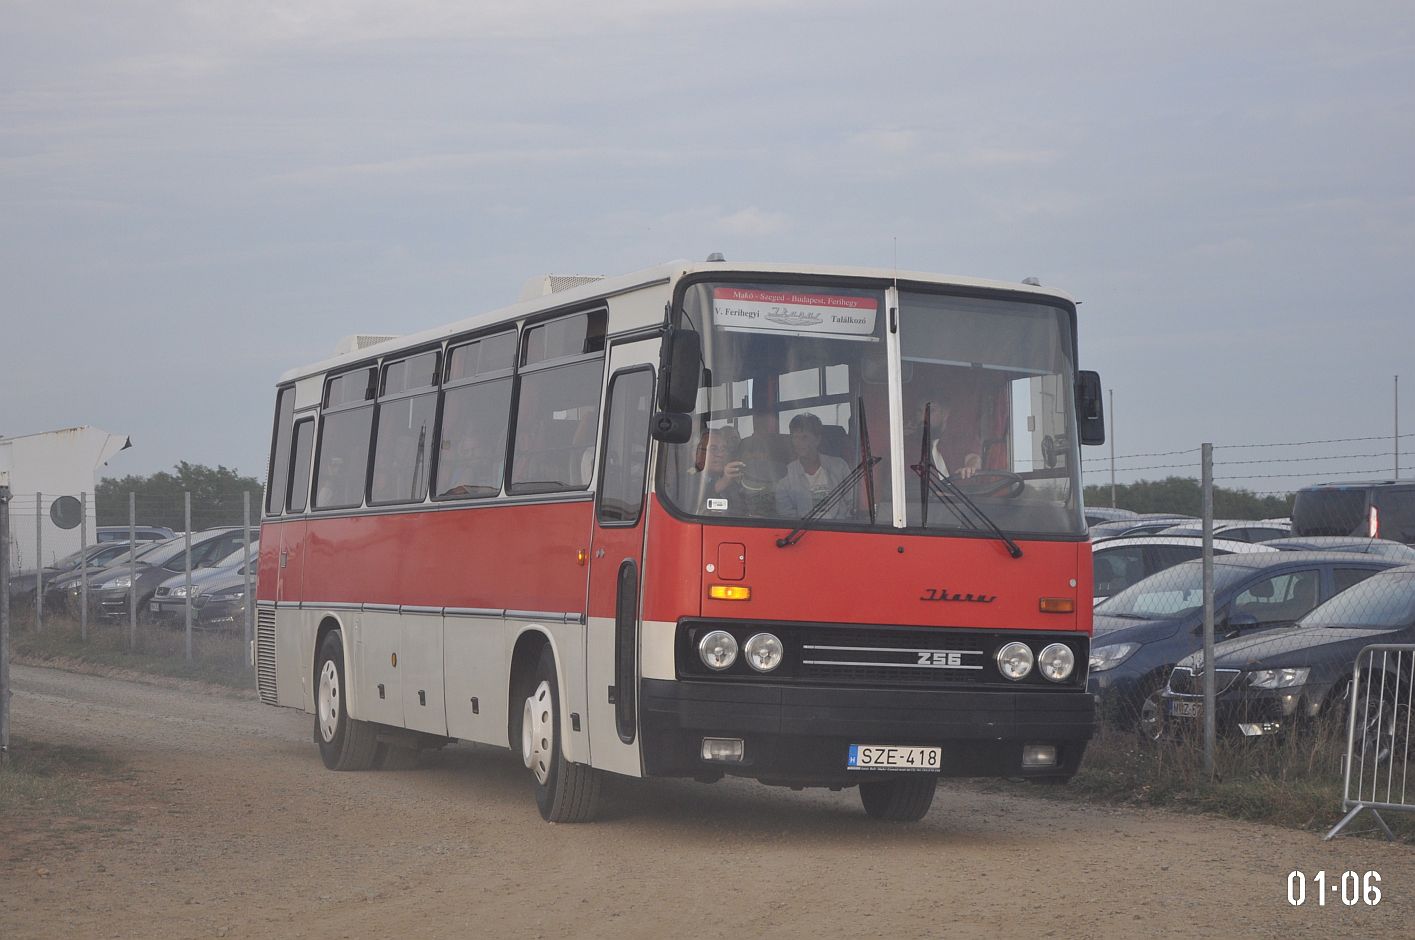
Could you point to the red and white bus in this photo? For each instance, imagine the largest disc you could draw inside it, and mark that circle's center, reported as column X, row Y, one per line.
column 817, row 526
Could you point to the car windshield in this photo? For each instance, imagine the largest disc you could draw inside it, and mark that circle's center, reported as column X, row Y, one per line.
column 1381, row 602
column 1171, row 593
column 800, row 379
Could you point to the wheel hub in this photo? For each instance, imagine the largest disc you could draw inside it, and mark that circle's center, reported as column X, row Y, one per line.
column 538, row 732
column 328, row 701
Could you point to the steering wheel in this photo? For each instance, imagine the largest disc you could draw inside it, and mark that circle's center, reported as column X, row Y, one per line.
column 1000, row 483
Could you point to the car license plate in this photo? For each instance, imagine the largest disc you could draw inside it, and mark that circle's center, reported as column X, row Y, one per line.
column 886, row 757
column 1186, row 709
column 155, row 607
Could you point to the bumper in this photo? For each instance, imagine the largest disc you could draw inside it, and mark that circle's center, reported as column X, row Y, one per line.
column 1251, row 712
column 801, row 735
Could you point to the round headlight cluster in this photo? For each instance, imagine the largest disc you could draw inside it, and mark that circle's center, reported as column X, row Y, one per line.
column 1015, row 660
column 1056, row 662
column 764, row 652
column 718, row 650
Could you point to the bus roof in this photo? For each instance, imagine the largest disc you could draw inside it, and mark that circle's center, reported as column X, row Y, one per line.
column 648, row 277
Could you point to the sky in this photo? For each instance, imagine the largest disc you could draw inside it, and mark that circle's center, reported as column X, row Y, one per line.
column 195, row 197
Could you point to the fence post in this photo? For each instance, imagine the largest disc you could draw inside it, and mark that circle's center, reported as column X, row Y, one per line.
column 4, row 623
column 248, row 607
column 1209, row 686
column 132, row 571
column 187, row 522
column 38, row 562
column 83, row 567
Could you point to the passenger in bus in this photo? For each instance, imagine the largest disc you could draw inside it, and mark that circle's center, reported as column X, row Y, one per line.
column 474, row 468
column 720, row 488
column 812, row 474
column 766, row 451
column 955, row 452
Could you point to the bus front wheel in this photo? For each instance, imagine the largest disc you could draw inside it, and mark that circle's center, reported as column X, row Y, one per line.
column 565, row 792
column 904, row 800
column 344, row 743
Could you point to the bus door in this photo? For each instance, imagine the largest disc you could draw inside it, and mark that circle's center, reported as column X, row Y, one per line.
column 616, row 559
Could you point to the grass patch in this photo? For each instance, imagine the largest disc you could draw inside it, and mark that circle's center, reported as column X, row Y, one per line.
column 1294, row 780
column 217, row 658
column 50, row 780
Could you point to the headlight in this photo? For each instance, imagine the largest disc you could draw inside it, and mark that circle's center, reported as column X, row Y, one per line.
column 1015, row 660
column 718, row 650
column 181, row 591
column 764, row 652
column 1108, row 657
column 124, row 581
column 1056, row 662
column 1278, row 678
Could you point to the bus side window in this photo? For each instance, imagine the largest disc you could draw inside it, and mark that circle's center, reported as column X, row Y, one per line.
column 342, row 464
column 299, row 488
column 626, row 447
column 280, row 451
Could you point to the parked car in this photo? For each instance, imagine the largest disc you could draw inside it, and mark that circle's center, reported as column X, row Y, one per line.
column 23, row 583
column 169, row 601
column 1142, row 632
column 62, row 594
column 1140, row 525
column 1095, row 515
column 142, row 533
column 1118, row 563
column 1238, row 530
column 221, row 604
column 1272, row 683
column 1345, row 543
column 1378, row 509
column 208, row 547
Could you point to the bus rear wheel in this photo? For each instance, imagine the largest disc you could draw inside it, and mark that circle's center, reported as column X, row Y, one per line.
column 565, row 792
column 344, row 743
column 904, row 800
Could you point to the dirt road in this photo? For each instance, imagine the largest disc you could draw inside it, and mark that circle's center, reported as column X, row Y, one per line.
column 228, row 825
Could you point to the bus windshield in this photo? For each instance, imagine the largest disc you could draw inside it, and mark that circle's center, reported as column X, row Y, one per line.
column 799, row 379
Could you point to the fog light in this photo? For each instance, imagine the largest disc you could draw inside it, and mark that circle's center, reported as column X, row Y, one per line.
column 718, row 650
column 1015, row 660
column 1039, row 755
column 1258, row 729
column 723, row 749
column 763, row 652
column 1056, row 662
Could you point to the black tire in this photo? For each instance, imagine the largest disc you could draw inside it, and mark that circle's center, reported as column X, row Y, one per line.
column 1149, row 714
column 344, row 744
column 904, row 800
column 565, row 792
column 1381, row 719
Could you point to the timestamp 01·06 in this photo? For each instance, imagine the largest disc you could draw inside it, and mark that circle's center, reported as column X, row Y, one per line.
column 1352, row 887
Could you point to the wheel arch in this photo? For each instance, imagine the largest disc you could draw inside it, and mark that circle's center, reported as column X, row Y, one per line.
column 525, row 655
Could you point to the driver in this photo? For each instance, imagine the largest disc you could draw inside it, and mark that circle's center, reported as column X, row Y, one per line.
column 954, row 453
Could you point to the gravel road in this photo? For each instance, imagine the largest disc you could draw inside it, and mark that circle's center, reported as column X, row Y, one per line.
column 228, row 825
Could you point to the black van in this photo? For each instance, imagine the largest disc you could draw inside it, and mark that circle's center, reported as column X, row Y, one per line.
column 1378, row 509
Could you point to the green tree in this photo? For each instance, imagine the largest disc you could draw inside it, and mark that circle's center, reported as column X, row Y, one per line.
column 216, row 497
column 1184, row 495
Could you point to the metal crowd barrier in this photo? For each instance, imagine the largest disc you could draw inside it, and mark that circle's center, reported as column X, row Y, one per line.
column 1377, row 760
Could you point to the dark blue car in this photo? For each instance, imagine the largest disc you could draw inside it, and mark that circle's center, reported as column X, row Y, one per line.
column 1142, row 632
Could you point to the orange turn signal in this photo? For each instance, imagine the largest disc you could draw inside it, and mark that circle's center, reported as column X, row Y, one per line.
column 730, row 592
column 1057, row 605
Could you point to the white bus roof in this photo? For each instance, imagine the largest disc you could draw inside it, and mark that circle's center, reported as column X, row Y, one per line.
column 659, row 274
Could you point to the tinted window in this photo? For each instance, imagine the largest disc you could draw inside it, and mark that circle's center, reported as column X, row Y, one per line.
column 1329, row 512
column 1343, row 578
column 1386, row 601
column 350, row 388
column 1280, row 598
column 280, row 451
column 472, row 450
column 1116, row 569
column 403, row 455
column 409, row 375
column 300, row 469
column 556, row 426
column 1167, row 556
column 626, row 447
column 574, row 335
column 343, row 458
column 483, row 358
column 1396, row 509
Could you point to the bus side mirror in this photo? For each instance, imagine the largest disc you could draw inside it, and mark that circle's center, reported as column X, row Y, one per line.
column 1090, row 413
column 672, row 427
column 680, row 370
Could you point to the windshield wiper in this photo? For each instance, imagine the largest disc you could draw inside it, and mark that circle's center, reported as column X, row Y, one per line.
column 865, row 470
column 930, row 479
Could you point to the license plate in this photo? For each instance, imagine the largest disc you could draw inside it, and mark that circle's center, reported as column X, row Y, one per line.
column 155, row 607
column 886, row 757
column 1186, row 709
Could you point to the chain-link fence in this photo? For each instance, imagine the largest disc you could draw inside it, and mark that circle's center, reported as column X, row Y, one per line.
column 183, row 592
column 1242, row 643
